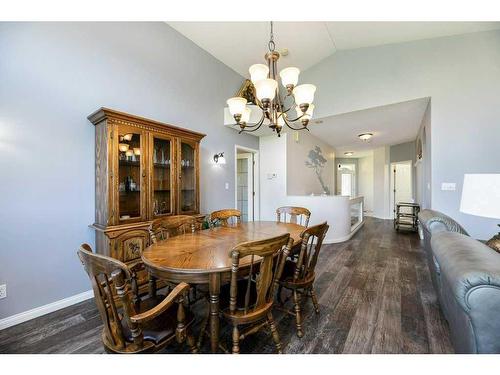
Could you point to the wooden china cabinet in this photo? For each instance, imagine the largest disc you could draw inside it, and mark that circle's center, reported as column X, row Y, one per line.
column 144, row 170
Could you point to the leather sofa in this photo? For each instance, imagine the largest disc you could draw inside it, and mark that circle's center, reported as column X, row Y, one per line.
column 466, row 276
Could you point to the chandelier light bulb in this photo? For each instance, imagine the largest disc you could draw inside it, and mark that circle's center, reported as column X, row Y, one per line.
column 258, row 72
column 236, row 105
column 304, row 94
column 245, row 116
column 290, row 77
column 266, row 89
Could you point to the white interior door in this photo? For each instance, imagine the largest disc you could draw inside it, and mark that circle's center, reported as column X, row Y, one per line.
column 245, row 195
column 401, row 183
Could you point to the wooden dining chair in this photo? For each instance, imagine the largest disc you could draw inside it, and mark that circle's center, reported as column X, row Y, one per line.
column 169, row 226
column 247, row 301
column 145, row 326
column 226, row 217
column 296, row 215
column 298, row 275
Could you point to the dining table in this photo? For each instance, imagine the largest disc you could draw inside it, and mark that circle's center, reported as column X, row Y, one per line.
column 203, row 257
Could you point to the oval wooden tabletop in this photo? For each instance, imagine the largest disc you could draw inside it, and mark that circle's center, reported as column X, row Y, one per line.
column 207, row 251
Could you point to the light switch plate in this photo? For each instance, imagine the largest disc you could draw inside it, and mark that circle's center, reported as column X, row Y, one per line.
column 270, row 176
column 449, row 186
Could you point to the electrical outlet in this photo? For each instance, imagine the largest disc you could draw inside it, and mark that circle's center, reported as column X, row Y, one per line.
column 3, row 291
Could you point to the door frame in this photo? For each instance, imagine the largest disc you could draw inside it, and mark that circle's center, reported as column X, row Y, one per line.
column 256, row 181
column 392, row 192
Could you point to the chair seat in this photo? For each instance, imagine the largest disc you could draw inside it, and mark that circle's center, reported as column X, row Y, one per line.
column 160, row 328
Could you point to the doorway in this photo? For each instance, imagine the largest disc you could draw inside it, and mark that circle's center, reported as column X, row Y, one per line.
column 401, row 183
column 247, row 184
column 346, row 179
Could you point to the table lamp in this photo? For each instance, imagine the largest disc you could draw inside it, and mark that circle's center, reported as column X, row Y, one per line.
column 481, row 197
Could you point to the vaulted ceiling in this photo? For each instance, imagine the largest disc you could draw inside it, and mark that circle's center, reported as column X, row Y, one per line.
column 241, row 44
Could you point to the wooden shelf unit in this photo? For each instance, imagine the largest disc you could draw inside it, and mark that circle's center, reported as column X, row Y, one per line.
column 151, row 181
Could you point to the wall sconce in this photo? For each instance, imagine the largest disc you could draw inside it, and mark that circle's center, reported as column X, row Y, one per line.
column 219, row 158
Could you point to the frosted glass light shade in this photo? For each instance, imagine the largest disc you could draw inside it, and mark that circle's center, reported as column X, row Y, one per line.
column 245, row 116
column 266, row 89
column 123, row 147
column 137, row 151
column 129, row 152
column 481, row 195
column 128, row 137
column 236, row 105
column 304, row 94
column 258, row 72
column 290, row 76
column 308, row 113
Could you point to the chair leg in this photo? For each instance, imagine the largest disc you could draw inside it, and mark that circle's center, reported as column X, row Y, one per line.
column 236, row 340
column 298, row 313
column 274, row 332
column 191, row 343
column 315, row 300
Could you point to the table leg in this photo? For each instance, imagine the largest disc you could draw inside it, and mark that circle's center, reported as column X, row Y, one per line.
column 214, row 290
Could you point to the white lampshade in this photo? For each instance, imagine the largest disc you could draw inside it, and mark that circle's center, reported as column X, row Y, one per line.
column 129, row 152
column 258, row 72
column 236, row 105
column 308, row 114
column 290, row 76
column 481, row 195
column 222, row 160
column 137, row 150
column 266, row 89
column 245, row 116
column 123, row 147
column 128, row 137
column 304, row 94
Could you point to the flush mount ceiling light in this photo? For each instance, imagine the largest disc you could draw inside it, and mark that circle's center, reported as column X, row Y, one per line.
column 365, row 136
column 349, row 153
column 274, row 112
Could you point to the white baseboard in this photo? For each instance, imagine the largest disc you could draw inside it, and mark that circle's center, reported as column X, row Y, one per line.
column 327, row 241
column 45, row 309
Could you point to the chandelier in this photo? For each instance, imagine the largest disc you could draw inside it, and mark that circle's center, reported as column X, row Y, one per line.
column 268, row 98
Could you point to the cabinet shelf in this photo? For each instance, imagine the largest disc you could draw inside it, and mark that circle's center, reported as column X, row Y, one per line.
column 161, row 166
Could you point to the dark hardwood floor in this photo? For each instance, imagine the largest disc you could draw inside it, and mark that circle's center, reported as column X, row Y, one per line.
column 374, row 290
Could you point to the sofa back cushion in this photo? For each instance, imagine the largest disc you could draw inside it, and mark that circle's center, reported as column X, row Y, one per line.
column 435, row 221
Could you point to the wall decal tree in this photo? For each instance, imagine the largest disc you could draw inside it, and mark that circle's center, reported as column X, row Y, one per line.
column 317, row 162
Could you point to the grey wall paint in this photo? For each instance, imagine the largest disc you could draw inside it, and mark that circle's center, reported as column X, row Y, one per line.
column 52, row 76
column 302, row 180
column 423, row 170
column 403, row 152
column 461, row 74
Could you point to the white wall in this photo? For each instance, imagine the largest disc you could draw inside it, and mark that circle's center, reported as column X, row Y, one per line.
column 461, row 74
column 302, row 180
column 365, row 182
column 381, row 195
column 52, row 76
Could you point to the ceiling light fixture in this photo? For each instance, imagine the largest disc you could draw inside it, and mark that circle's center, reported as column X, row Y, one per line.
column 269, row 100
column 349, row 153
column 365, row 136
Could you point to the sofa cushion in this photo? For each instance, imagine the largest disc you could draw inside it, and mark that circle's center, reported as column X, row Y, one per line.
column 465, row 263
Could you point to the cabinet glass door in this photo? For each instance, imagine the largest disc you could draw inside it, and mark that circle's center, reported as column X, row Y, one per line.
column 129, row 175
column 187, row 193
column 161, row 183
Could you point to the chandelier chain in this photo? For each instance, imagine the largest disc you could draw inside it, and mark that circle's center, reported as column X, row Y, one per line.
column 271, row 44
